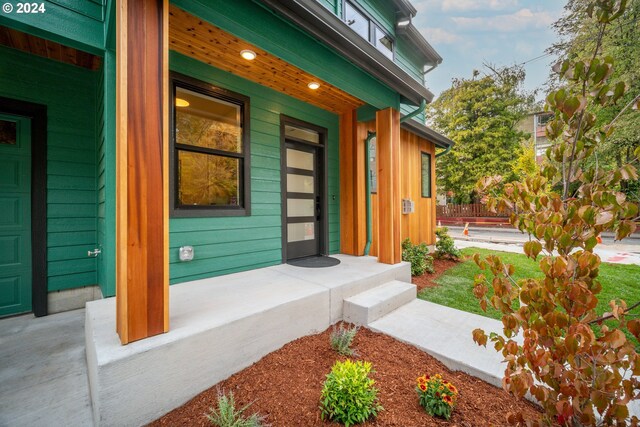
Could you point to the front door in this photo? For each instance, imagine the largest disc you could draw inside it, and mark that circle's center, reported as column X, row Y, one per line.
column 303, row 201
column 304, row 219
column 15, row 215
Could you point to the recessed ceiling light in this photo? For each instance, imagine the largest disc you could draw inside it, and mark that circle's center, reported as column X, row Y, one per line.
column 181, row 102
column 313, row 85
column 247, row 54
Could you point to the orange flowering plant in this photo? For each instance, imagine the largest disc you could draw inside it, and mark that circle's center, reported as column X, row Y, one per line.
column 437, row 396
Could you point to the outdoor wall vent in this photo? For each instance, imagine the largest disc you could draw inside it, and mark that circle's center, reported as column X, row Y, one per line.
column 408, row 206
column 186, row 253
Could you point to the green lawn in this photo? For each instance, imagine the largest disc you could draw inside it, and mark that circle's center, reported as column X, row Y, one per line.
column 455, row 285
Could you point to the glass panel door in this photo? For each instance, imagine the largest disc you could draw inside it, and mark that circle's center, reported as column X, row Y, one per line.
column 303, row 207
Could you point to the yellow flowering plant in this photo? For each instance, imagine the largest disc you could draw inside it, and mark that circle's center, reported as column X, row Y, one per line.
column 437, row 396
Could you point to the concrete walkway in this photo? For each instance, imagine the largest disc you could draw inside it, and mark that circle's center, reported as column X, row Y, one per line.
column 606, row 253
column 43, row 371
column 446, row 334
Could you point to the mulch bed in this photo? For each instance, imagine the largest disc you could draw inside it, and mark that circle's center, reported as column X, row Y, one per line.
column 427, row 280
column 285, row 386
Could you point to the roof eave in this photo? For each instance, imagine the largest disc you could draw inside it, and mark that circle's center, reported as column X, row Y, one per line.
column 328, row 28
column 427, row 133
column 411, row 34
column 405, row 8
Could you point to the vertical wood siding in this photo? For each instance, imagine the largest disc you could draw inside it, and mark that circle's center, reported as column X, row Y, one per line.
column 419, row 226
column 225, row 245
column 69, row 93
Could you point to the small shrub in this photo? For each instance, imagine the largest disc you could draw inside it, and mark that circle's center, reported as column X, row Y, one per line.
column 348, row 395
column 418, row 256
column 341, row 339
column 228, row 416
column 437, row 396
column 445, row 247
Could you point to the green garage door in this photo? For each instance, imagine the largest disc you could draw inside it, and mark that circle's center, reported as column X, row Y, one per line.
column 15, row 215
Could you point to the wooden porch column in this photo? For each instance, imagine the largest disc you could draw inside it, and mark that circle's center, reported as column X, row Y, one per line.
column 389, row 180
column 352, row 187
column 142, row 264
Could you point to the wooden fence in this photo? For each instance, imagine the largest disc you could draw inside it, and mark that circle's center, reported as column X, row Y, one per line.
column 474, row 210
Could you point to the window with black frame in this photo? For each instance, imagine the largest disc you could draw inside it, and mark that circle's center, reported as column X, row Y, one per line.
column 426, row 175
column 210, row 150
column 365, row 26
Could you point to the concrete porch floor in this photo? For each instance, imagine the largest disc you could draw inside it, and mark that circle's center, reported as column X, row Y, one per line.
column 43, row 371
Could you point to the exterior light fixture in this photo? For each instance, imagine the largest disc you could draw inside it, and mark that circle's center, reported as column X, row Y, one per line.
column 247, row 54
column 181, row 102
column 313, row 85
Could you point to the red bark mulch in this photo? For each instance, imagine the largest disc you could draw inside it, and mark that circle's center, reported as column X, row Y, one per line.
column 285, row 386
column 427, row 280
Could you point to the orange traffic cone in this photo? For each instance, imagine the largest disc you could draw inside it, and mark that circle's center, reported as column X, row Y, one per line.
column 598, row 239
column 466, row 229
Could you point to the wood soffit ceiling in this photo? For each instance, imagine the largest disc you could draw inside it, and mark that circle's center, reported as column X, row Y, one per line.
column 205, row 42
column 47, row 49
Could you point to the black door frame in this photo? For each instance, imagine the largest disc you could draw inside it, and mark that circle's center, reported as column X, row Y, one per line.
column 321, row 173
column 38, row 115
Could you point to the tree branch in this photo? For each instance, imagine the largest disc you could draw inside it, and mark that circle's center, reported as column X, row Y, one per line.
column 610, row 316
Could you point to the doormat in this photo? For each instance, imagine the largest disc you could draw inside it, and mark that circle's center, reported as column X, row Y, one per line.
column 314, row 262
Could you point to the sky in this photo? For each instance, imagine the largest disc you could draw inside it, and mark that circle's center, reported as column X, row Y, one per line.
column 468, row 33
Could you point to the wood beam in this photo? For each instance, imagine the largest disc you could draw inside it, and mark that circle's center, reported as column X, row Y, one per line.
column 389, row 181
column 142, row 279
column 353, row 217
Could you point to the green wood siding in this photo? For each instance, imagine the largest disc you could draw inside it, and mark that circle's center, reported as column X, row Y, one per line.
column 69, row 93
column 255, row 24
column 382, row 13
column 75, row 23
column 407, row 59
column 228, row 244
column 334, row 6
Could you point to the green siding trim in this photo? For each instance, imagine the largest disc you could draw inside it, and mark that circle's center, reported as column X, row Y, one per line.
column 106, row 175
column 224, row 245
column 74, row 23
column 68, row 92
column 254, row 23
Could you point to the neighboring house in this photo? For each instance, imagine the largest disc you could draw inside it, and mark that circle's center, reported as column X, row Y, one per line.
column 131, row 129
column 535, row 125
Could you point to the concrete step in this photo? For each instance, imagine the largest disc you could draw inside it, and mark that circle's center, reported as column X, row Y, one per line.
column 369, row 306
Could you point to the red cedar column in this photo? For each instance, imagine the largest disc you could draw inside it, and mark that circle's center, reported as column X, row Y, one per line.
column 353, row 218
column 389, row 174
column 142, row 279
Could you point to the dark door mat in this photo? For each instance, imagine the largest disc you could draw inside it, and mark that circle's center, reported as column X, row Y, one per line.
column 314, row 262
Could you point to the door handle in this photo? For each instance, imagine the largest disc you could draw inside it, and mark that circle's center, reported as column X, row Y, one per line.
column 318, row 208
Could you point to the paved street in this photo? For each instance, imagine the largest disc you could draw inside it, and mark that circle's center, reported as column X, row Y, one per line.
column 511, row 240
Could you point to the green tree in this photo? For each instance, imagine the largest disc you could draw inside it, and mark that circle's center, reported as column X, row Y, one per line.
column 526, row 165
column 579, row 38
column 480, row 115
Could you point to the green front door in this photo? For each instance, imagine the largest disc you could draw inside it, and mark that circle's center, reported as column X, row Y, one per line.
column 15, row 214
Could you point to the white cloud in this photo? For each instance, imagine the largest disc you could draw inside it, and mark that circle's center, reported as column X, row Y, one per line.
column 466, row 5
column 523, row 19
column 440, row 36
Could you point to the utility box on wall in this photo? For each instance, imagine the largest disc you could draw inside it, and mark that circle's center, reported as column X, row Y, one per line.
column 408, row 206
